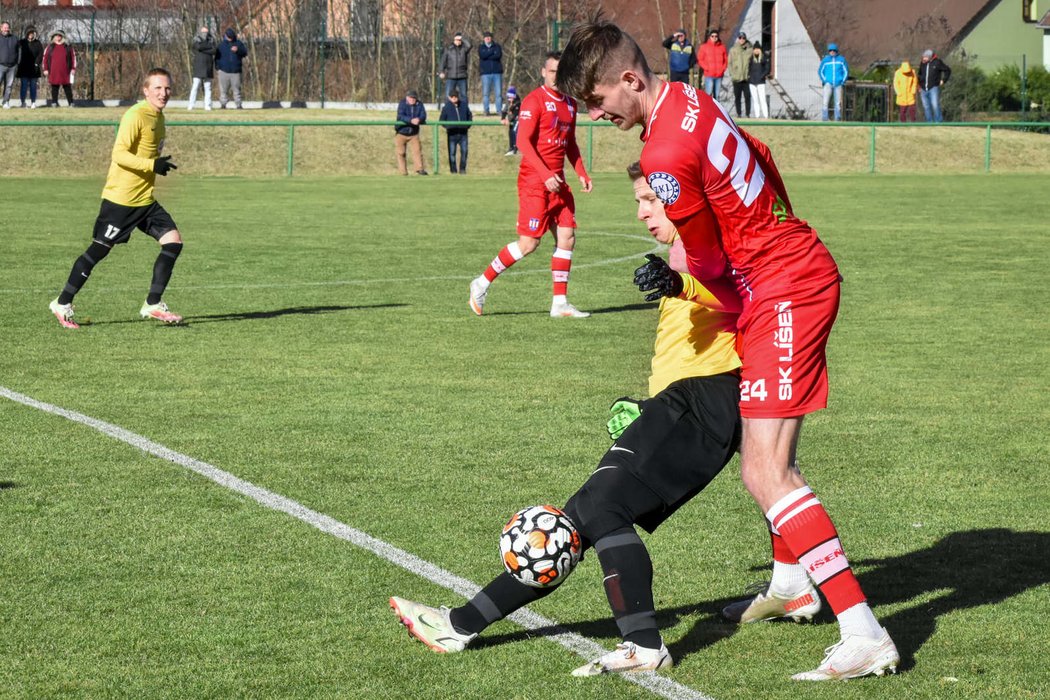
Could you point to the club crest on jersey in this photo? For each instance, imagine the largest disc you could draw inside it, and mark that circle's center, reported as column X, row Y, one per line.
column 534, row 224
column 665, row 186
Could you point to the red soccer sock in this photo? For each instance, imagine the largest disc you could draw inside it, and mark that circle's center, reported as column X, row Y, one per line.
column 561, row 263
column 510, row 254
column 781, row 552
column 808, row 531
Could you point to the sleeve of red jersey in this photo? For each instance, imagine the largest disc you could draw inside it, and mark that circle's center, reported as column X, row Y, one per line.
column 528, row 122
column 572, row 150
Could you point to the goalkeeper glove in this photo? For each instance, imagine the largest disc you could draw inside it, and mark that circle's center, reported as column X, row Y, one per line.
column 624, row 412
column 656, row 276
column 163, row 165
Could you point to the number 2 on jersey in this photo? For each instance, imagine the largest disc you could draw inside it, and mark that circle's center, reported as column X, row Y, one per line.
column 747, row 190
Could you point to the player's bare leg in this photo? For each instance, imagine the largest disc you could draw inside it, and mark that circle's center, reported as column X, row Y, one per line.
column 170, row 247
column 510, row 254
column 561, row 263
column 766, row 453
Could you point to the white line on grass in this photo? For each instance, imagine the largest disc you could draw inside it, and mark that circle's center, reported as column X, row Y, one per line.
column 582, row 646
column 343, row 283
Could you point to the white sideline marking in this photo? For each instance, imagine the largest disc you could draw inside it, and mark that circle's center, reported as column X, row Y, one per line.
column 658, row 248
column 582, row 646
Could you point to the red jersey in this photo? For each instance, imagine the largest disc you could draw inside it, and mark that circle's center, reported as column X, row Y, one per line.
column 720, row 186
column 546, row 135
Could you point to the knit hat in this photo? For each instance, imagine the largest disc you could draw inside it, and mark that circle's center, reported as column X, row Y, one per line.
column 58, row 32
column 512, row 91
column 412, row 93
column 230, row 34
column 833, row 47
column 928, row 53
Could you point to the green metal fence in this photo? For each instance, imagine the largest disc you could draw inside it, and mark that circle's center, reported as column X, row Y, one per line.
column 586, row 132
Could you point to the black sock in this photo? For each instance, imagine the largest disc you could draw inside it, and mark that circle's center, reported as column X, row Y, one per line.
column 169, row 253
column 629, row 586
column 82, row 270
column 500, row 598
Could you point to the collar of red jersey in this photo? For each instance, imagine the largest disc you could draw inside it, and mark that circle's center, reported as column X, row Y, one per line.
column 644, row 136
column 554, row 95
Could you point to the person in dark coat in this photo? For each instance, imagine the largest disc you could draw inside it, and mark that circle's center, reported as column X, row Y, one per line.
column 229, row 59
column 509, row 116
column 30, row 55
column 410, row 115
column 59, row 67
column 933, row 74
column 8, row 62
column 453, row 67
column 490, row 58
column 456, row 111
column 203, row 54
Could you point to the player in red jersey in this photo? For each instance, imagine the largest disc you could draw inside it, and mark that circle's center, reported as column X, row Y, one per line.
column 724, row 193
column 546, row 136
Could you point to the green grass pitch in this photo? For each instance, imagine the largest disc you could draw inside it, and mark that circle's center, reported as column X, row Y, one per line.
column 330, row 357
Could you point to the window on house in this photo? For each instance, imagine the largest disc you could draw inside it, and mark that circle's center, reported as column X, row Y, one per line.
column 1029, row 13
column 45, row 3
column 83, row 3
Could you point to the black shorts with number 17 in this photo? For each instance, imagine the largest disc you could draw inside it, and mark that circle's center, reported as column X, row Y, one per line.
column 116, row 222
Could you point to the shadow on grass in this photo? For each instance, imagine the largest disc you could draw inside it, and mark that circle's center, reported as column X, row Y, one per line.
column 253, row 315
column 7, row 485
column 966, row 570
column 594, row 312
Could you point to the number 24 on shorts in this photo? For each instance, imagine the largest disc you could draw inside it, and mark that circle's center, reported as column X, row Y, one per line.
column 753, row 390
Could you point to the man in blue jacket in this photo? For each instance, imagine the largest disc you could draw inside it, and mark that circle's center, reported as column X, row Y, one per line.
column 229, row 60
column 833, row 72
column 410, row 115
column 681, row 57
column 490, row 55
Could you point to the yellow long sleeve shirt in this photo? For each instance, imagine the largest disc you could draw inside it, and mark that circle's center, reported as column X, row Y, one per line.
column 140, row 139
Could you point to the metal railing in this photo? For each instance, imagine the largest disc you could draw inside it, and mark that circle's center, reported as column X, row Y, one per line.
column 588, row 129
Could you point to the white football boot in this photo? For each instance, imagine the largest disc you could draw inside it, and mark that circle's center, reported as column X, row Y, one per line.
column 627, row 657
column 769, row 605
column 855, row 656
column 478, row 291
column 567, row 310
column 431, row 626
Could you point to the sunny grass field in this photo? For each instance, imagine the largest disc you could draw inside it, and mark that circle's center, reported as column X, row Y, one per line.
column 330, row 357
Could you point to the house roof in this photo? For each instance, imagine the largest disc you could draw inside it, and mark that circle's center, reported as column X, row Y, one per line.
column 890, row 30
column 1044, row 23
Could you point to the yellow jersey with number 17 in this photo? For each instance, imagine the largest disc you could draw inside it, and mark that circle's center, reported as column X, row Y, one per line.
column 140, row 139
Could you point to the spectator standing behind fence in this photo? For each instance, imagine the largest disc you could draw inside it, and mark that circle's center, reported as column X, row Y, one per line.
column 757, row 72
column 509, row 116
column 60, row 65
column 8, row 61
column 30, row 56
column 456, row 111
column 229, row 60
column 833, row 72
column 680, row 57
column 905, row 84
column 713, row 61
column 203, row 52
column 453, row 68
column 933, row 74
column 411, row 113
column 739, row 60
column 490, row 58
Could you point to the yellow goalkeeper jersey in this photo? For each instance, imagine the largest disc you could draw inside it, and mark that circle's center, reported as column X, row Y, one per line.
column 140, row 139
column 691, row 340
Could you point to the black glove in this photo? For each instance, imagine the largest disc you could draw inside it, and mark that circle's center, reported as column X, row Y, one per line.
column 162, row 165
column 656, row 276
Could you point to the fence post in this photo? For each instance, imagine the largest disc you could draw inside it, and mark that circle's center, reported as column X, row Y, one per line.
column 988, row 148
column 871, row 162
column 437, row 148
column 590, row 146
column 291, row 148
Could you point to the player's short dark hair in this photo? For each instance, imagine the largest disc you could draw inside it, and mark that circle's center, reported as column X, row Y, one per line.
column 155, row 71
column 634, row 170
column 596, row 53
column 556, row 55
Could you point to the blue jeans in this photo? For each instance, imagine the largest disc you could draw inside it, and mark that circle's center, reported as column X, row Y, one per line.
column 459, row 140
column 712, row 86
column 457, row 84
column 931, row 104
column 28, row 85
column 492, row 82
column 830, row 90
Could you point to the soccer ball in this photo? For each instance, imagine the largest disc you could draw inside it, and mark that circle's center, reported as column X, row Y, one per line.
column 540, row 546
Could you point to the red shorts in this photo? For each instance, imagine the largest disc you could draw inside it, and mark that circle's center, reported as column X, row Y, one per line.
column 539, row 209
column 782, row 343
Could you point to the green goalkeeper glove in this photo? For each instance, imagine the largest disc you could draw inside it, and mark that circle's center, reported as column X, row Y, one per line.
column 624, row 412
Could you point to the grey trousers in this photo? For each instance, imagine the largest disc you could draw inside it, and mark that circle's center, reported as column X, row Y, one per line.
column 7, row 79
column 229, row 82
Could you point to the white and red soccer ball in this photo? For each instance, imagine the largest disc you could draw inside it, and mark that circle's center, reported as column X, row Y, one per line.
column 540, row 546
